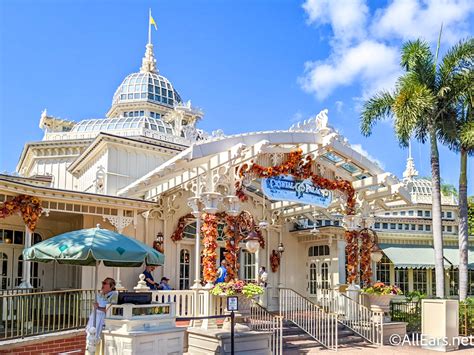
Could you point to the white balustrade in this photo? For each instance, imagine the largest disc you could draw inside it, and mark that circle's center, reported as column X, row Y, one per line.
column 263, row 320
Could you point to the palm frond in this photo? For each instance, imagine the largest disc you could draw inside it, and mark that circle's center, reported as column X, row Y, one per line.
column 376, row 108
column 414, row 52
column 459, row 57
column 466, row 135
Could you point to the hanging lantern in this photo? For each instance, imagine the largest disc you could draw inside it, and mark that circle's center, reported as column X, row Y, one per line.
column 233, row 205
column 376, row 253
column 252, row 243
column 280, row 248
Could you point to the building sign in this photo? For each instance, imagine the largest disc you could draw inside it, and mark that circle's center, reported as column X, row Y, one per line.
column 287, row 188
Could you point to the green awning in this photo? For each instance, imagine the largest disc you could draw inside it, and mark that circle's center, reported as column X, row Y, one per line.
column 422, row 256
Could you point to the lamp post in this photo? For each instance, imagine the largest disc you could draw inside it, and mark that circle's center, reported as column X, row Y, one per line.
column 195, row 204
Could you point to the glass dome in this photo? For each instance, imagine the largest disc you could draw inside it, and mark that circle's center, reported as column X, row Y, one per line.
column 421, row 187
column 123, row 123
column 147, row 86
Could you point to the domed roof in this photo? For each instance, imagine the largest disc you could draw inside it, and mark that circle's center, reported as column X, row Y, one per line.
column 421, row 186
column 146, row 86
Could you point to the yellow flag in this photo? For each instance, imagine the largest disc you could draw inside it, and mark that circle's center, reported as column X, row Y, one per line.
column 152, row 22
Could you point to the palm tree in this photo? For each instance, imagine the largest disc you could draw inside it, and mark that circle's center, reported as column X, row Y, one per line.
column 421, row 99
column 458, row 132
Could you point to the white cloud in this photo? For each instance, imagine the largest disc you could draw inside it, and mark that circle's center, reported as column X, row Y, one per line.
column 365, row 50
column 358, row 148
column 373, row 62
column 346, row 17
column 411, row 19
column 339, row 105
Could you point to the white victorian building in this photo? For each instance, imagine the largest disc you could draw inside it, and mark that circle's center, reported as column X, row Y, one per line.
column 136, row 170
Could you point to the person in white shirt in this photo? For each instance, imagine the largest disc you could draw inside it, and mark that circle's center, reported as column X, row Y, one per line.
column 262, row 276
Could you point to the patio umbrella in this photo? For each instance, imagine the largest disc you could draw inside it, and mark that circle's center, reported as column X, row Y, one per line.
column 90, row 247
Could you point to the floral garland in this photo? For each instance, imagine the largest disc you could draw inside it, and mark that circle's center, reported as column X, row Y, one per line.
column 28, row 206
column 274, row 260
column 182, row 223
column 232, row 248
column 209, row 231
column 366, row 235
column 244, row 220
column 352, row 252
column 300, row 168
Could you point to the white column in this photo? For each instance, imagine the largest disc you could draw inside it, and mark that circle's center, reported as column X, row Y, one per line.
column 197, row 253
column 26, row 272
column 280, row 238
column 341, row 261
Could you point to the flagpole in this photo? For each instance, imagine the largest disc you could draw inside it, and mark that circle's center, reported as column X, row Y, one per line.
column 149, row 26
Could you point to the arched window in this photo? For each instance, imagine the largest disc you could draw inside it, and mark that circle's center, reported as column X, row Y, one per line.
column 184, row 259
column 189, row 231
column 383, row 270
column 325, row 275
column 312, row 278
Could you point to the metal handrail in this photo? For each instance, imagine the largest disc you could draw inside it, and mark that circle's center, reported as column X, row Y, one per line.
column 354, row 315
column 319, row 323
column 263, row 320
column 29, row 314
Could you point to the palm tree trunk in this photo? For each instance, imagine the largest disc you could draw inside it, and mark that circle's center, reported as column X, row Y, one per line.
column 436, row 214
column 463, row 233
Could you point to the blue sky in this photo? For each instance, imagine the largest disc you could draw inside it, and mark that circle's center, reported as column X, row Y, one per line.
column 249, row 64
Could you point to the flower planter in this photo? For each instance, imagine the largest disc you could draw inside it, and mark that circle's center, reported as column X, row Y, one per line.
column 380, row 303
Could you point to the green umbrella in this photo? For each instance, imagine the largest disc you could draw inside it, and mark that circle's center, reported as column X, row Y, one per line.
column 89, row 247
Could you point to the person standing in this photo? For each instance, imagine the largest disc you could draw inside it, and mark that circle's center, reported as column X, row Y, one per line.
column 108, row 295
column 262, row 276
column 150, row 281
column 221, row 272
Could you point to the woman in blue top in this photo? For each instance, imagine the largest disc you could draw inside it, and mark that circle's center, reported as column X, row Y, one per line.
column 221, row 272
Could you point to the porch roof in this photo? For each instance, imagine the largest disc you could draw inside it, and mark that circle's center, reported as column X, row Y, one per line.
column 422, row 256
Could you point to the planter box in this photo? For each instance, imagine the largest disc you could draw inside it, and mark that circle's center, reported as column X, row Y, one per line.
column 440, row 324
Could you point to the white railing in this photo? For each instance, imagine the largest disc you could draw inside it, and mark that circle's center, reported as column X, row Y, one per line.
column 313, row 319
column 354, row 315
column 263, row 320
column 191, row 303
column 184, row 300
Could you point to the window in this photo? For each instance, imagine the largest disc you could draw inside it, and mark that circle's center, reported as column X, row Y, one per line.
column 377, row 225
column 401, row 279
column 420, row 227
column 318, row 250
column 428, row 228
column 385, row 225
column 413, row 227
column 419, row 280
column 411, row 213
column 184, row 258
column 248, row 266
column 449, row 229
column 407, row 227
column 470, row 282
column 393, row 225
column 325, row 276
column 433, row 282
column 383, row 270
column 387, row 213
column 312, row 278
column 400, row 226
column 403, row 213
column 4, row 284
column 427, row 213
column 449, row 215
column 442, row 214
column 395, row 213
column 419, row 213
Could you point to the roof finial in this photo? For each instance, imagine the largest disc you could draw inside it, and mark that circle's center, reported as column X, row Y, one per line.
column 410, row 171
column 149, row 61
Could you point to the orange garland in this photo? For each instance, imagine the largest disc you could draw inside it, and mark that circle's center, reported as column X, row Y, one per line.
column 232, row 248
column 300, row 168
column 28, row 206
column 352, row 253
column 274, row 260
column 209, row 231
column 365, row 256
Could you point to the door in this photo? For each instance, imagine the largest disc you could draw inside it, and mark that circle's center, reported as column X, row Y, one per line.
column 318, row 274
